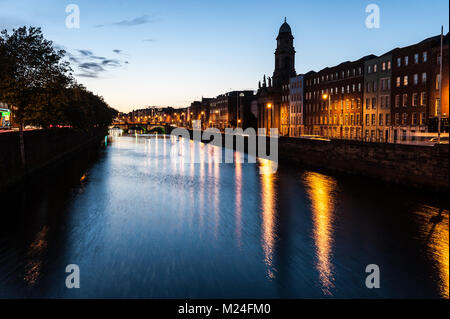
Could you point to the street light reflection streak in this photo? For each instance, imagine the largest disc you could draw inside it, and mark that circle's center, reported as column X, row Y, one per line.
column 437, row 240
column 238, row 179
column 268, row 214
column 320, row 189
column 216, row 197
column 35, row 254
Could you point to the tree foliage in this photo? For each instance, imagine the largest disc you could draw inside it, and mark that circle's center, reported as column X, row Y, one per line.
column 37, row 83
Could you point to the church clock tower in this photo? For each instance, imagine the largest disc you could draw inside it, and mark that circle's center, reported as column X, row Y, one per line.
column 284, row 56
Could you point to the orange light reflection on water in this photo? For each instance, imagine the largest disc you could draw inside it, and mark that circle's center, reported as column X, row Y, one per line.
column 321, row 189
column 268, row 213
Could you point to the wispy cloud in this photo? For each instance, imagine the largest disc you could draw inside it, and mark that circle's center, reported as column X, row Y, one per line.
column 148, row 40
column 87, row 64
column 131, row 22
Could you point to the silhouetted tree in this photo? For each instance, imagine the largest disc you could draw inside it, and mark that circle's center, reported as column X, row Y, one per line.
column 37, row 83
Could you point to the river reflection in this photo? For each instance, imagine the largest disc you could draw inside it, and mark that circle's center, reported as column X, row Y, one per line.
column 144, row 218
column 268, row 197
column 321, row 190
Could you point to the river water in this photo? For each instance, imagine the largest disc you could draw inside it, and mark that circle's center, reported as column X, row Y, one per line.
column 141, row 224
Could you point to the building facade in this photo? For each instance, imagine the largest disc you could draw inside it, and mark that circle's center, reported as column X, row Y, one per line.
column 296, row 106
column 411, row 85
column 333, row 100
column 377, row 99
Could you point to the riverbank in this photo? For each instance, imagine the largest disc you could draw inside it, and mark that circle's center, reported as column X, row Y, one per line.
column 414, row 166
column 41, row 149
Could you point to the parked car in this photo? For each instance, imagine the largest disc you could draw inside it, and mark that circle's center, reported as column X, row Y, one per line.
column 443, row 140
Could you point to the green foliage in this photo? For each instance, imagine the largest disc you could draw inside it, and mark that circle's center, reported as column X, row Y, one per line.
column 38, row 85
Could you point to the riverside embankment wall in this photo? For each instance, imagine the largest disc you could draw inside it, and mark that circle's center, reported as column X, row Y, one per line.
column 414, row 166
column 42, row 148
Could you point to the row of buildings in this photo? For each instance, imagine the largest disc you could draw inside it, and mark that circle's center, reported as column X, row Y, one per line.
column 383, row 98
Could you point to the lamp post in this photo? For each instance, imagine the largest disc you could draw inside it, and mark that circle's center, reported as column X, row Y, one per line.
column 269, row 107
column 440, row 88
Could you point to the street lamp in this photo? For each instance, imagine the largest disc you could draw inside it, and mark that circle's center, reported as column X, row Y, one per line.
column 269, row 107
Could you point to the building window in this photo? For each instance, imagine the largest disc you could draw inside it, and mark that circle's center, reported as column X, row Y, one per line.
column 373, row 119
column 414, row 118
column 389, row 65
column 359, row 87
column 374, row 86
column 398, row 81
column 436, row 107
column 422, row 118
column 388, row 119
column 375, row 68
column 374, row 103
column 416, row 78
column 405, row 80
column 383, row 66
column 423, row 98
column 405, row 100
column 367, row 104
column 367, row 120
column 380, row 119
column 416, row 58
column 406, row 60
column 397, row 117
column 397, row 100
column 424, row 77
column 415, row 99
column 404, row 118
column 425, row 56
column 399, row 62
column 438, row 77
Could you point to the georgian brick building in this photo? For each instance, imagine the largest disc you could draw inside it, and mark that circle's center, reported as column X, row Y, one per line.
column 411, row 85
column 333, row 100
column 296, row 106
column 377, row 99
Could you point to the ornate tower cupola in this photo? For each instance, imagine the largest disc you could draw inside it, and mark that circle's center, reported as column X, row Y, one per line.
column 284, row 56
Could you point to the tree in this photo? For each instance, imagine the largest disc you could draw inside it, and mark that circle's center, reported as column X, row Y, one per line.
column 36, row 82
column 34, row 78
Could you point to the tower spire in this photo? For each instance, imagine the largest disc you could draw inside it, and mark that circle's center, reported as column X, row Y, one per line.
column 284, row 19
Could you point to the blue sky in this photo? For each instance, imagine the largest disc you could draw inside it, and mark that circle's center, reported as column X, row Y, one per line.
column 172, row 52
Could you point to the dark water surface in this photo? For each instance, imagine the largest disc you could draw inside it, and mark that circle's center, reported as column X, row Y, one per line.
column 139, row 223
